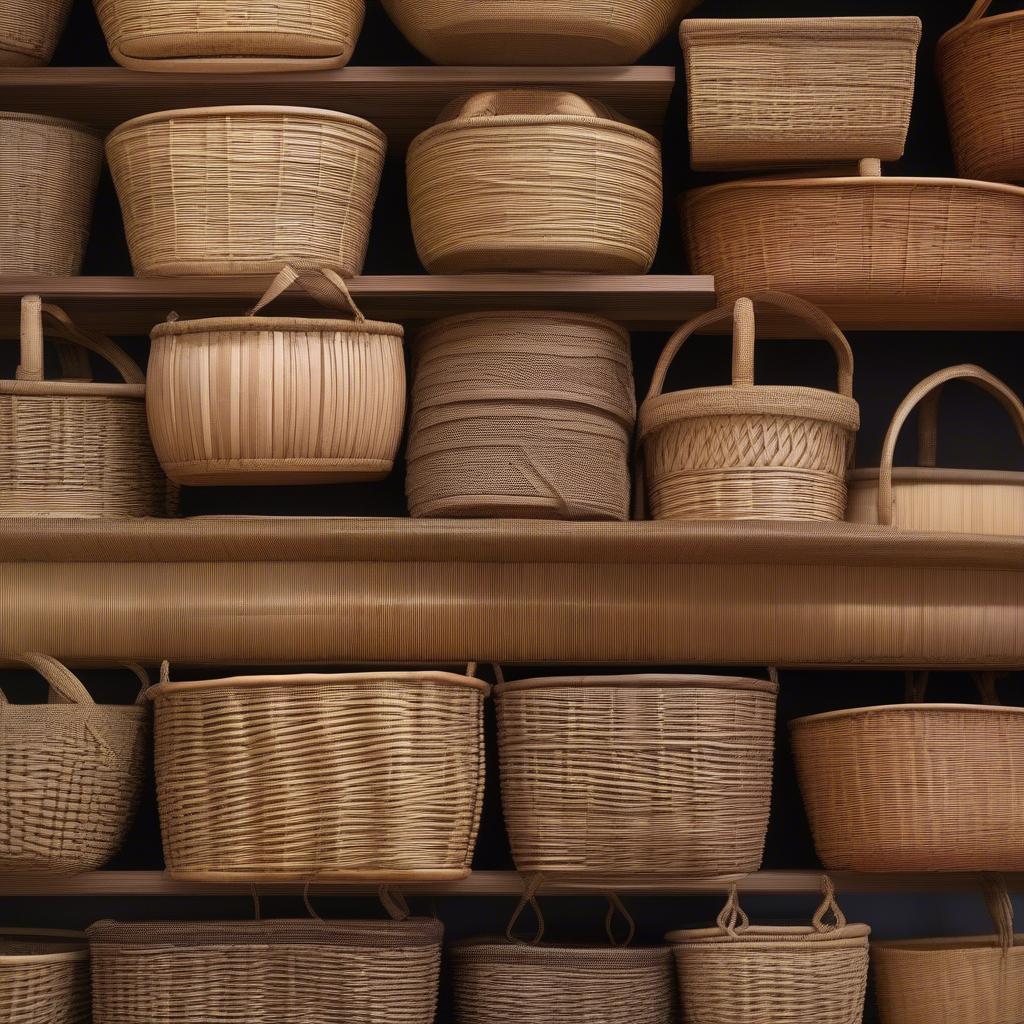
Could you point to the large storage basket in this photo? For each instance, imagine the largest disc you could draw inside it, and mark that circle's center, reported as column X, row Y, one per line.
column 948, row 500
column 643, row 774
column 44, row 977
column 246, row 190
column 980, row 64
column 534, row 180
column 521, row 415
column 748, row 451
column 278, row 400
column 30, row 30
column 71, row 773
column 372, row 776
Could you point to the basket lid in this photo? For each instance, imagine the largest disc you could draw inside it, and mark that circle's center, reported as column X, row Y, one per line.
column 640, row 681
column 497, row 949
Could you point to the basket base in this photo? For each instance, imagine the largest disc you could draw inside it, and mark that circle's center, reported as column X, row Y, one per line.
column 475, row 43
column 315, row 876
column 549, row 259
column 229, row 65
column 506, row 507
column 270, row 472
column 17, row 59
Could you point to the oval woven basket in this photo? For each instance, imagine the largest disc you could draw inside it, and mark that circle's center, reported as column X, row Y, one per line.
column 979, row 64
column 278, row 400
column 534, row 180
column 246, row 190
column 44, row 977
column 30, row 30
column 372, row 776
column 637, row 774
column 947, row 500
column 749, row 451
column 521, row 415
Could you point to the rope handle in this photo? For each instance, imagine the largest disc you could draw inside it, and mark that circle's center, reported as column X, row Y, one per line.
column 324, row 285
column 65, row 686
column 143, row 677
column 917, row 686
column 733, row 920
column 1000, row 908
column 526, row 102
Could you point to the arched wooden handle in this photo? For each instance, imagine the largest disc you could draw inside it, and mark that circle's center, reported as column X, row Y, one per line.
column 978, row 11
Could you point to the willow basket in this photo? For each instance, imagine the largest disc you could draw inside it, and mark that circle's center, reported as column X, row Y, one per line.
column 641, row 774
column 246, row 190
column 278, row 400
column 783, row 91
column 30, row 30
column 44, row 977
column 373, row 776
column 521, row 415
column 748, row 451
column 948, row 500
column 534, row 180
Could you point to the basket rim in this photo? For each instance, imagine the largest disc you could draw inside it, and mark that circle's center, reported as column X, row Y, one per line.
column 644, row 680
column 597, row 952
column 985, row 943
column 532, row 120
column 765, row 933
column 78, row 939
column 978, row 25
column 898, row 28
column 173, row 328
column 1001, row 709
column 56, row 122
column 938, row 474
column 70, row 389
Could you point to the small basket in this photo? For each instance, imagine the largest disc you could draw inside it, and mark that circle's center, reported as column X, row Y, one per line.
column 246, row 190
column 748, row 451
column 534, row 180
column 947, row 500
column 30, row 30
column 278, row 400
column 44, row 977
column 738, row 973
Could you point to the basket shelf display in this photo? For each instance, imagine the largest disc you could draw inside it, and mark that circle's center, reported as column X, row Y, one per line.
column 44, row 977
column 30, row 30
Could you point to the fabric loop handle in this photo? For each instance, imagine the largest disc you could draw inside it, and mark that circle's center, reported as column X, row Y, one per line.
column 325, row 285
column 732, row 919
column 616, row 908
column 531, row 886
column 828, row 906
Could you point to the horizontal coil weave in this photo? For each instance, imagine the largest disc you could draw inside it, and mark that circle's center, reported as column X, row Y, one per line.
column 43, row 980
column 30, row 30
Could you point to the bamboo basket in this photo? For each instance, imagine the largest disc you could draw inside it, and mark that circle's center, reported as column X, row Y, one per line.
column 784, row 91
column 948, row 500
column 521, row 415
column 748, row 451
column 30, row 31
column 372, row 776
column 246, row 190
column 231, row 35
column 278, row 400
column 979, row 63
column 44, row 977
column 534, row 180
column 48, row 174
column 637, row 775
column 915, row 787
column 738, row 973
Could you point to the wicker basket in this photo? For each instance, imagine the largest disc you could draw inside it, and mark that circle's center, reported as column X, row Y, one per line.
column 231, row 35
column 738, row 973
column 276, row 400
column 748, row 451
column 372, row 776
column 30, row 30
column 915, row 787
column 246, row 190
column 521, row 415
column 949, row 500
column 643, row 774
column 534, row 180
column 44, row 977
column 980, row 64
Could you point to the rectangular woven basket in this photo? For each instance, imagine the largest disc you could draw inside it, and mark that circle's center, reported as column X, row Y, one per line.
column 44, row 977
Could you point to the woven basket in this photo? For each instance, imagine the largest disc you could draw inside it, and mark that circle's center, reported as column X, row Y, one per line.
column 246, row 190
column 979, row 64
column 30, row 30
column 48, row 174
column 738, row 973
column 231, row 35
column 643, row 774
column 748, row 451
column 278, row 400
column 948, row 500
column 534, row 180
column 521, row 415
column 44, row 977
column 372, row 776
column 915, row 787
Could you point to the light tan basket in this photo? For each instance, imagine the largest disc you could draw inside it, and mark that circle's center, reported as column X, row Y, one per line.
column 278, row 400
column 915, row 787
column 534, row 180
column 747, row 451
column 371, row 776
column 30, row 30
column 246, row 190
column 637, row 774
column 950, row 500
column 44, row 977
column 784, row 91
column 521, row 415
column 979, row 64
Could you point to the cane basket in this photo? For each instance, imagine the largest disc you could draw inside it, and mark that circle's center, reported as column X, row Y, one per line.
column 44, row 977
column 246, row 190
column 30, row 30
column 534, row 180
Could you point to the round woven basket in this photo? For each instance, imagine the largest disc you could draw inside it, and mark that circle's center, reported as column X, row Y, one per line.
column 748, row 451
column 246, row 190
column 44, row 977
column 521, row 415
column 534, row 180
column 30, row 30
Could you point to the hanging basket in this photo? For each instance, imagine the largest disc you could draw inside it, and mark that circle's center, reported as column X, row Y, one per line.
column 44, row 977
column 30, row 30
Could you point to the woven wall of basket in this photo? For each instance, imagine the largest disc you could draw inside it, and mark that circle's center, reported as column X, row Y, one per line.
column 521, row 415
column 915, row 786
column 44, row 977
column 246, row 189
column 534, row 180
column 30, row 30
column 749, row 451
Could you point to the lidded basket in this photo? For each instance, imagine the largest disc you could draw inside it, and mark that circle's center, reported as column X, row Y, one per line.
column 44, row 977
column 30, row 31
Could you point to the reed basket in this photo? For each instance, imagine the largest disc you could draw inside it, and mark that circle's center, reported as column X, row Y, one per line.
column 246, row 190
column 44, row 977
column 521, row 415
column 746, row 450
column 534, row 180
column 30, row 31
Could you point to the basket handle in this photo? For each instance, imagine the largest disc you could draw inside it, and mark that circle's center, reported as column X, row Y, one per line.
column 977, row 12
column 143, row 677
column 324, row 285
column 928, row 392
column 531, row 886
column 917, row 686
column 733, row 920
column 1000, row 908
column 65, row 686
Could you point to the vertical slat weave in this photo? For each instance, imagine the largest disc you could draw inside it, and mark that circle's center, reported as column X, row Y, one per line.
column 44, row 978
column 29, row 31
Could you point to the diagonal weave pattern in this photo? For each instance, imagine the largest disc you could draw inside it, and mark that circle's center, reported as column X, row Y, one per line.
column 43, row 981
column 30, row 30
